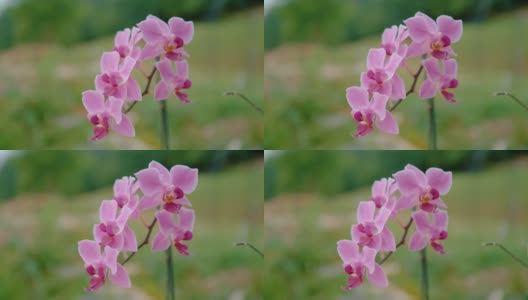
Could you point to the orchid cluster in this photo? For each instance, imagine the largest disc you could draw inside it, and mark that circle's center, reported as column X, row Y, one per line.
column 409, row 189
column 381, row 84
column 161, row 189
column 115, row 86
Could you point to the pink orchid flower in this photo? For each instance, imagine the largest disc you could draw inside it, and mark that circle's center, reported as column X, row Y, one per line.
column 367, row 112
column 382, row 191
column 392, row 39
column 429, row 232
column 115, row 79
column 433, row 37
column 113, row 230
column 172, row 81
column 105, row 115
column 125, row 44
column 382, row 78
column 125, row 192
column 438, row 81
column 370, row 230
column 357, row 264
column 97, row 264
column 166, row 188
column 166, row 39
column 422, row 190
column 172, row 233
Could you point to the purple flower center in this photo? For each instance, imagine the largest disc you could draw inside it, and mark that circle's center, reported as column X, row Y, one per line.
column 173, row 194
column 349, row 269
column 169, row 199
column 368, row 231
column 426, row 198
column 438, row 247
column 451, row 84
column 122, row 50
column 171, row 48
column 379, row 200
column 389, row 48
column 431, row 194
column 111, row 228
column 121, row 200
column 182, row 248
column 90, row 270
column 355, row 276
column 98, row 276
column 187, row 236
column 186, row 84
column 173, row 44
column 442, row 235
column 358, row 116
column 440, row 43
column 112, row 82
column 182, row 96
column 448, row 96
column 379, row 76
column 365, row 123
column 102, row 124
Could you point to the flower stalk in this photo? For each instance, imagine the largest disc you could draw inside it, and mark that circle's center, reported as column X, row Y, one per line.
column 251, row 247
column 513, row 97
column 432, row 124
column 515, row 257
column 243, row 97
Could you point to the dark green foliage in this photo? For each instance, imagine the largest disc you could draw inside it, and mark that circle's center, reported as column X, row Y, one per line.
column 271, row 30
column 70, row 173
column 336, row 21
column 44, row 20
column 7, row 34
column 333, row 172
column 70, row 21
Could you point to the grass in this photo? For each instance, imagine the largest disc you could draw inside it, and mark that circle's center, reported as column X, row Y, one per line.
column 301, row 231
column 306, row 105
column 41, row 85
column 39, row 235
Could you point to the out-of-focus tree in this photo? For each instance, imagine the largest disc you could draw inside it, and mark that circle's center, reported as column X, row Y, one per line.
column 70, row 21
column 332, row 172
column 72, row 172
column 7, row 34
column 337, row 21
column 37, row 20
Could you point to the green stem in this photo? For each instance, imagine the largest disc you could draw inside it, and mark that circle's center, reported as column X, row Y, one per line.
column 252, row 247
column 170, row 275
column 432, row 146
column 523, row 263
column 401, row 242
column 145, row 241
column 425, row 277
column 255, row 106
column 432, row 125
column 145, row 91
column 411, row 90
column 165, row 146
column 164, row 125
column 513, row 97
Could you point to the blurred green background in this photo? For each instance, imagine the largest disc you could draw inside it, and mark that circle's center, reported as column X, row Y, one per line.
column 311, row 202
column 50, row 200
column 312, row 57
column 50, row 52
